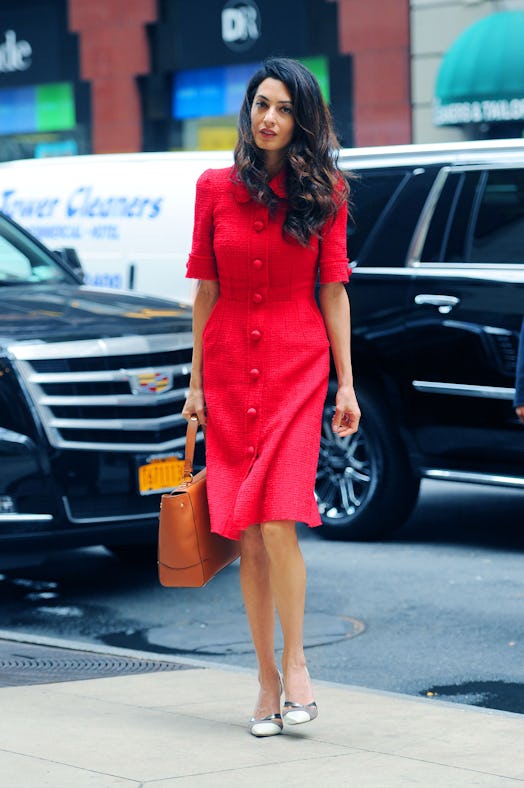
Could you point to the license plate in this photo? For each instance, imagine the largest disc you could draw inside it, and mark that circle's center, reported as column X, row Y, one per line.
column 160, row 475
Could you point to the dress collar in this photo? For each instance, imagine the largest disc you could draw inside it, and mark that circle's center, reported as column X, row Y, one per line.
column 239, row 189
column 277, row 184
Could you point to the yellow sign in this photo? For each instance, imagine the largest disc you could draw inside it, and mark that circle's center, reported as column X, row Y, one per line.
column 160, row 475
column 217, row 137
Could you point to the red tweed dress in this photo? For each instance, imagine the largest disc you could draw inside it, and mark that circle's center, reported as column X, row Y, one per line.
column 265, row 353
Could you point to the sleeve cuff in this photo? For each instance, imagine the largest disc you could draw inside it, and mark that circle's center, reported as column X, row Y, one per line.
column 201, row 268
column 334, row 271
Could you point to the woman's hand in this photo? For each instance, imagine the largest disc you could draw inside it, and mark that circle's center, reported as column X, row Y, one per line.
column 195, row 405
column 347, row 412
column 334, row 304
column 207, row 293
column 520, row 412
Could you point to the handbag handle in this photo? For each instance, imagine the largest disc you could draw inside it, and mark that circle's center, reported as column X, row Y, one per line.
column 192, row 429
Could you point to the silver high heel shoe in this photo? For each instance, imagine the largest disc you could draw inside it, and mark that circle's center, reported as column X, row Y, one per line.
column 267, row 726
column 296, row 713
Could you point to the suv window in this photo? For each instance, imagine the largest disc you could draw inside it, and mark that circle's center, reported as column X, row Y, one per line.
column 479, row 218
column 499, row 230
column 456, row 240
column 370, row 194
column 385, row 206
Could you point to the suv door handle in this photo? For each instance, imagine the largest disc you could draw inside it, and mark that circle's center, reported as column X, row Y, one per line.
column 444, row 303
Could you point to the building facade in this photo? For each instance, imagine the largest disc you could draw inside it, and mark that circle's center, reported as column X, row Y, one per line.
column 128, row 75
column 472, row 53
column 203, row 54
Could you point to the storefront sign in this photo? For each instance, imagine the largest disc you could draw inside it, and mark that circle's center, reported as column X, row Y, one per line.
column 488, row 111
column 37, row 108
column 240, row 31
column 203, row 92
column 15, row 55
column 35, row 45
column 219, row 91
column 241, row 25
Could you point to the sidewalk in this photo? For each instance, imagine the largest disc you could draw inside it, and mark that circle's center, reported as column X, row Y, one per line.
column 188, row 728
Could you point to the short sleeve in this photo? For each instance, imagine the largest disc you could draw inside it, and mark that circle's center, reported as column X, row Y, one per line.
column 201, row 263
column 333, row 259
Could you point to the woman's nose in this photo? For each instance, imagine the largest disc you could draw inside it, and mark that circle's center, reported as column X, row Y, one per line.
column 269, row 117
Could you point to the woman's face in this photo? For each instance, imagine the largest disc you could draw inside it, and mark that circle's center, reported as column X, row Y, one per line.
column 272, row 118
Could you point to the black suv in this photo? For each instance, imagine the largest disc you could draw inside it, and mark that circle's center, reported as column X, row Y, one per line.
column 437, row 299
column 91, row 388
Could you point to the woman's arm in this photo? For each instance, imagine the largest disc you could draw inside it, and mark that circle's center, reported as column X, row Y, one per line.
column 206, row 296
column 519, row 382
column 334, row 303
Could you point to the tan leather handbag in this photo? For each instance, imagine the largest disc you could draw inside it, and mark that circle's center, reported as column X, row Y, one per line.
column 189, row 555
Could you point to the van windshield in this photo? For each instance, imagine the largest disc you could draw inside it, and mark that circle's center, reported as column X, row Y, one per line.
column 23, row 262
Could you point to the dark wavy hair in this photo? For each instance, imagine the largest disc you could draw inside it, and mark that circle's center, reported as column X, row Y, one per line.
column 316, row 188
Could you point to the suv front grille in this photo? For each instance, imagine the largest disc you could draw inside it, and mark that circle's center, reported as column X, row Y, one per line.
column 117, row 394
column 96, row 363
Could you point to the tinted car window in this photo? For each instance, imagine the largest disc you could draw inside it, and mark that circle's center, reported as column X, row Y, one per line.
column 389, row 242
column 371, row 192
column 438, row 231
column 450, row 227
column 456, row 249
column 479, row 218
column 23, row 262
column 498, row 236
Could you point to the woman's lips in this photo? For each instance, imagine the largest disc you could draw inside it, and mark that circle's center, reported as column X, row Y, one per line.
column 267, row 133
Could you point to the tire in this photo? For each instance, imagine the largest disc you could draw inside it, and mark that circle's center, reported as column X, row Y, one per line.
column 365, row 488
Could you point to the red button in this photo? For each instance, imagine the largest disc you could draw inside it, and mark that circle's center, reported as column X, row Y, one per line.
column 256, row 335
column 250, row 451
column 257, row 298
column 251, row 412
column 258, row 226
column 255, row 374
column 257, row 263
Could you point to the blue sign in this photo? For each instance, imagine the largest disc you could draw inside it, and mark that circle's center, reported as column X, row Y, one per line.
column 202, row 92
column 18, row 110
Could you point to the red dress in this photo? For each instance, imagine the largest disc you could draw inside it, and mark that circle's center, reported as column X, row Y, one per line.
column 265, row 353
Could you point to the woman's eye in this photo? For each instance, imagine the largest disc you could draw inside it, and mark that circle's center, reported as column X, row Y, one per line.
column 287, row 110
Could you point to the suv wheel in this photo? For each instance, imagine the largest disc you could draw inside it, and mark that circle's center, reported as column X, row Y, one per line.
column 365, row 488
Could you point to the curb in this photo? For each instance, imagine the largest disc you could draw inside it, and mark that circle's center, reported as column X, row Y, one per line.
column 94, row 648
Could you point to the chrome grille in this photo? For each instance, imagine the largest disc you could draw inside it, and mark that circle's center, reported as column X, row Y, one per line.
column 83, row 391
column 507, row 347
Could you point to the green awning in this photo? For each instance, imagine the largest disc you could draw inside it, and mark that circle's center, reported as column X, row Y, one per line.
column 481, row 77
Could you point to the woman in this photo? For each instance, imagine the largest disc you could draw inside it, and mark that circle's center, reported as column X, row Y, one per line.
column 519, row 382
column 263, row 231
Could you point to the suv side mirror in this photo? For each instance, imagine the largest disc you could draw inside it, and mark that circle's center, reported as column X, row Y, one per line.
column 69, row 257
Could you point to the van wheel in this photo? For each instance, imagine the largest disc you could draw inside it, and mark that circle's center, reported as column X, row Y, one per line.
column 365, row 488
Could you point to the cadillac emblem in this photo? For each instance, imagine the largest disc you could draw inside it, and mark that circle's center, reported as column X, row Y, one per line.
column 150, row 381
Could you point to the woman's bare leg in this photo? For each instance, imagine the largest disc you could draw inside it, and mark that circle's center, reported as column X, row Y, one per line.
column 287, row 574
column 260, row 608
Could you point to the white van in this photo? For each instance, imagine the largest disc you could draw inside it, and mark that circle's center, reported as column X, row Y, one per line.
column 128, row 216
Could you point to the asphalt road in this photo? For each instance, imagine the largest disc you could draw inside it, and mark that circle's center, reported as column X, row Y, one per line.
column 437, row 611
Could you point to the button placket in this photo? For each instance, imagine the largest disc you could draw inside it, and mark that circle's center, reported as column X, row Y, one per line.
column 256, row 327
